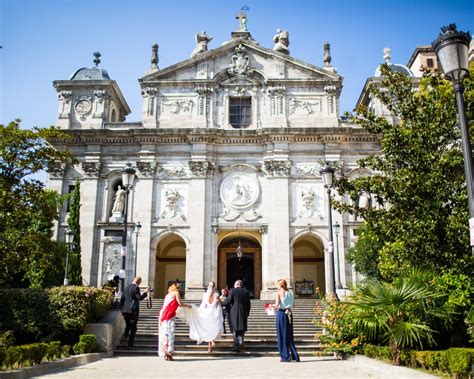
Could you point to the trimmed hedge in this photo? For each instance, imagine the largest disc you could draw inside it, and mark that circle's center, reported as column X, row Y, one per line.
column 12, row 357
column 87, row 344
column 56, row 313
column 456, row 361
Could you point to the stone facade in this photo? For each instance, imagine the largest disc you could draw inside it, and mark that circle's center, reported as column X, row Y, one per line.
column 205, row 186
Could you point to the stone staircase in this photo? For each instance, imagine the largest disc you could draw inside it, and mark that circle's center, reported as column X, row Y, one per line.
column 260, row 338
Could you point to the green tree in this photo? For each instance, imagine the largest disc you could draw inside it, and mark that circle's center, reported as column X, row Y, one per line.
column 28, row 255
column 75, row 268
column 420, row 174
column 397, row 312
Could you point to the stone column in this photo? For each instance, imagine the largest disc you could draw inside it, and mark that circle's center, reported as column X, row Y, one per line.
column 88, row 219
column 143, row 213
column 199, row 229
column 55, row 182
column 276, row 247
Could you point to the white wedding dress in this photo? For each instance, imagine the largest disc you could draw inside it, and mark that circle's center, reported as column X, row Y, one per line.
column 206, row 323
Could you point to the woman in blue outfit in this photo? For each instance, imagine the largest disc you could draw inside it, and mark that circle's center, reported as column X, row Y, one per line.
column 284, row 300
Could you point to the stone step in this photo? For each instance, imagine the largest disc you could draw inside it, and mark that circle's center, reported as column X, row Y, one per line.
column 260, row 338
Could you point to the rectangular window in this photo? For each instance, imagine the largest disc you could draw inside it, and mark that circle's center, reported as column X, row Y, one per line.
column 430, row 63
column 240, row 112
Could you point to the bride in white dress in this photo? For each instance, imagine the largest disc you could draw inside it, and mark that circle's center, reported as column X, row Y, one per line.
column 206, row 323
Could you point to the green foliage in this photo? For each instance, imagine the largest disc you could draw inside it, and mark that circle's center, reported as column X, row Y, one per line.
column 13, row 357
column 460, row 360
column 75, row 267
column 420, row 173
column 451, row 361
column 7, row 338
column 338, row 335
column 400, row 313
column 28, row 255
column 87, row 344
column 60, row 312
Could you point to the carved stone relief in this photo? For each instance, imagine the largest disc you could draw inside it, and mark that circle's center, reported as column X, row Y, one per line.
column 277, row 96
column 150, row 93
column 331, row 91
column 112, row 260
column 239, row 193
column 240, row 62
column 277, row 167
column 173, row 171
column 83, row 106
column 56, row 171
column 146, row 169
column 204, row 100
column 308, row 203
column 91, row 168
column 200, row 168
column 177, row 106
column 170, row 205
column 301, row 106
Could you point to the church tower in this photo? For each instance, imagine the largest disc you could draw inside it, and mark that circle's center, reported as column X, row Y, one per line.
column 89, row 99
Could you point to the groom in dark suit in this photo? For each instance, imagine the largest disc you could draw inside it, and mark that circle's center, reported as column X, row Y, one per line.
column 239, row 302
column 130, row 305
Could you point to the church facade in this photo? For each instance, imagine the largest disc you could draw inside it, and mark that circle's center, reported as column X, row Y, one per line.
column 227, row 155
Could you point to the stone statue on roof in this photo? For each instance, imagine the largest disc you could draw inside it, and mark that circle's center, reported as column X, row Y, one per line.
column 202, row 39
column 282, row 41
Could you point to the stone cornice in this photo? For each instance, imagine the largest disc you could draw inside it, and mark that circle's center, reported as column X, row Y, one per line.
column 341, row 135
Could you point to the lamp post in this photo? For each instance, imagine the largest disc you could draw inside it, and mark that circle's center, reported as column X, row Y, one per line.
column 452, row 49
column 136, row 230
column 327, row 172
column 69, row 239
column 337, row 228
column 128, row 176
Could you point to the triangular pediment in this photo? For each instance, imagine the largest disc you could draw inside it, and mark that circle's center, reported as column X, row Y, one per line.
column 241, row 58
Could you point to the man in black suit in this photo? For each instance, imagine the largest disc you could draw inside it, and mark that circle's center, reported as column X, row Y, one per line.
column 130, row 305
column 239, row 302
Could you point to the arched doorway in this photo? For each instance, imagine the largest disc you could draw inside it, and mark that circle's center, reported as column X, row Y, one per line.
column 170, row 263
column 248, row 268
column 308, row 265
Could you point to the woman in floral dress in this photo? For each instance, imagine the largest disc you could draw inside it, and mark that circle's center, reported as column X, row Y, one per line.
column 166, row 322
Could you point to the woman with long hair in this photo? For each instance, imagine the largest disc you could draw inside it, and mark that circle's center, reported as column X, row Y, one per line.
column 284, row 301
column 206, row 323
column 166, row 324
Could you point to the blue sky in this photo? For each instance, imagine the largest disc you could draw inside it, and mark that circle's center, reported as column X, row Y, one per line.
column 46, row 40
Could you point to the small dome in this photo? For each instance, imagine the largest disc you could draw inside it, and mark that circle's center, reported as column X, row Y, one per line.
column 393, row 66
column 93, row 73
column 397, row 68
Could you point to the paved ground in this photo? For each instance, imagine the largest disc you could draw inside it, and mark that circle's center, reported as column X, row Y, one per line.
column 245, row 367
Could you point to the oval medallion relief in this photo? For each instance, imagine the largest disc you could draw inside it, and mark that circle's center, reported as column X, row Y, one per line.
column 240, row 190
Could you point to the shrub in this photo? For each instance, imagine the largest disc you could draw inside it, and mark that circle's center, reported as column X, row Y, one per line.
column 7, row 338
column 31, row 354
column 79, row 348
column 88, row 342
column 455, row 360
column 338, row 332
column 54, row 350
column 43, row 314
column 460, row 360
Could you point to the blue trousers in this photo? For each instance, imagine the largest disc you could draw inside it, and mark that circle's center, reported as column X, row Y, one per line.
column 286, row 344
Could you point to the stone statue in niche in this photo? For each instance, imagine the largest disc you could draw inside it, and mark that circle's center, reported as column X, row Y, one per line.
column 171, row 208
column 202, row 39
column 282, row 41
column 119, row 205
column 119, row 202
